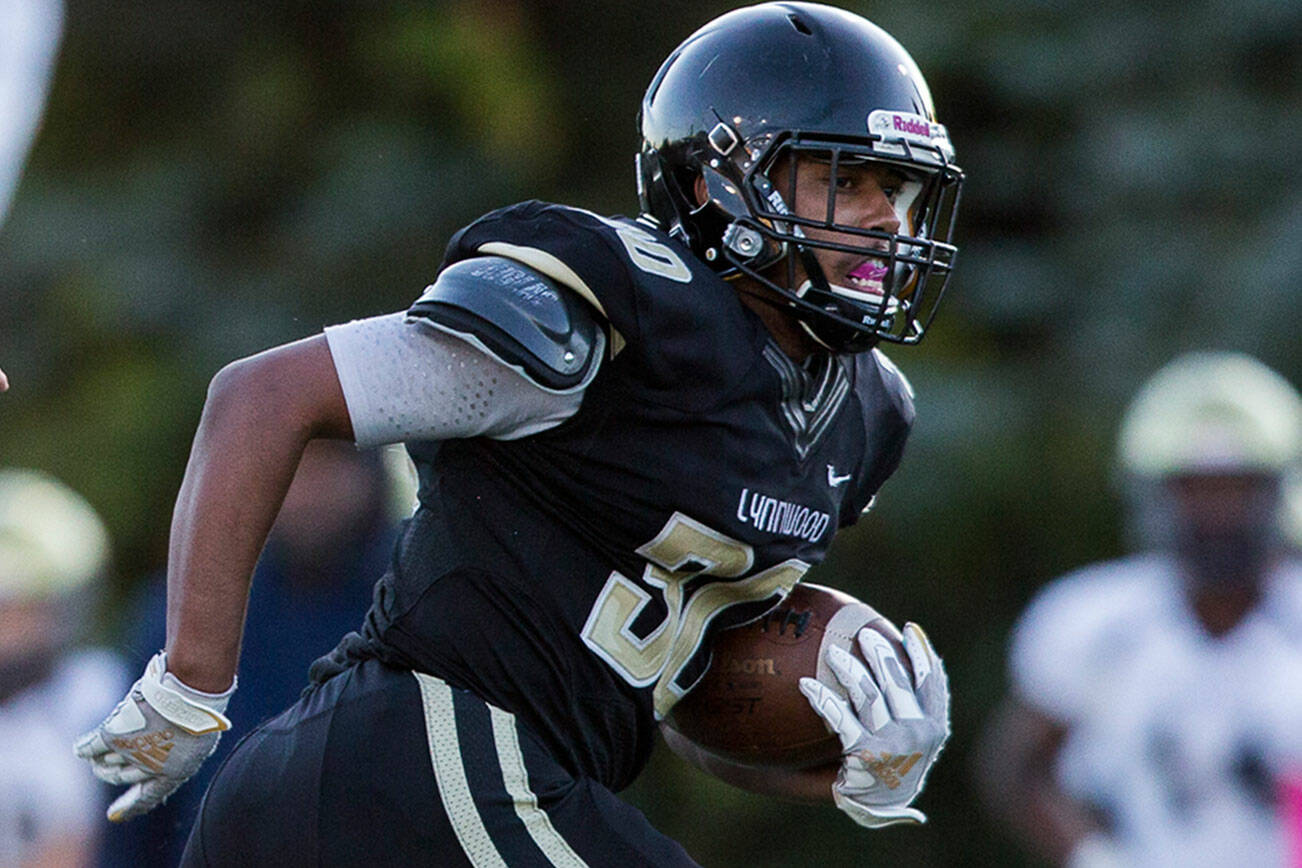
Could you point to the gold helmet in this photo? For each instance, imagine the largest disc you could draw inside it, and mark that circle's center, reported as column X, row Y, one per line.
column 52, row 543
column 1212, row 412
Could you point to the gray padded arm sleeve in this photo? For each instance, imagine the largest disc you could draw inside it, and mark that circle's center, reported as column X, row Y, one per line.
column 406, row 381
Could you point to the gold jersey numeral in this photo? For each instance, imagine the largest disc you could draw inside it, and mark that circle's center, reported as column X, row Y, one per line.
column 683, row 550
column 650, row 255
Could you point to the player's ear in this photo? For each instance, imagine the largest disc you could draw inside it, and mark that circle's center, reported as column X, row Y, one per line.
column 701, row 190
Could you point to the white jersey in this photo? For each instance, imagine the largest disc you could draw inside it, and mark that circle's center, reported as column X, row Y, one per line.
column 46, row 793
column 1184, row 740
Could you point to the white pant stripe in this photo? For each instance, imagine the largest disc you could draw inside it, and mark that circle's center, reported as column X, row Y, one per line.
column 445, row 753
column 535, row 819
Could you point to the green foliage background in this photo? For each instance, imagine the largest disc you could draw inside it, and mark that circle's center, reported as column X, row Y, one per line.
column 216, row 178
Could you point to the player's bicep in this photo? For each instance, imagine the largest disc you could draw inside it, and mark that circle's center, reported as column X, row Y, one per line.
column 292, row 387
column 402, row 381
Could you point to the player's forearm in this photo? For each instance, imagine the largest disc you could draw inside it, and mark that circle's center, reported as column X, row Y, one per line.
column 259, row 415
column 71, row 849
column 239, row 469
column 1046, row 821
column 1055, row 824
column 1015, row 778
column 801, row 785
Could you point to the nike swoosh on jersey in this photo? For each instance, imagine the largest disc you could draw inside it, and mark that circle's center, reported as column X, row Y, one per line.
column 833, row 480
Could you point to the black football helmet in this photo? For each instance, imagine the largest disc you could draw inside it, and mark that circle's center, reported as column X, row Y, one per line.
column 783, row 84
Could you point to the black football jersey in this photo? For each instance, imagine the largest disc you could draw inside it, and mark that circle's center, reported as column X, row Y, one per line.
column 573, row 577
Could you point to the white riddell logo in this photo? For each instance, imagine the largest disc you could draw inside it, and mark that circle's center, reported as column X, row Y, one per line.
column 833, row 480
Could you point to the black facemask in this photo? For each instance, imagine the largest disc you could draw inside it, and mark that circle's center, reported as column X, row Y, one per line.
column 19, row 673
column 1224, row 557
column 1229, row 547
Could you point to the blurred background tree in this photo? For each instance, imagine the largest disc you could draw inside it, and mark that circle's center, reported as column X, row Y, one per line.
column 213, row 179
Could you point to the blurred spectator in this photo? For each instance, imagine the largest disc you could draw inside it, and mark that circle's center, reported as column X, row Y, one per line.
column 53, row 552
column 331, row 541
column 1156, row 708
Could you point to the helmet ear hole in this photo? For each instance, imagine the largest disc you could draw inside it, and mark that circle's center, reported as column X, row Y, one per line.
column 713, row 187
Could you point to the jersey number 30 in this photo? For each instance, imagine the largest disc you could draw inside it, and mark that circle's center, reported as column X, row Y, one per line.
column 683, row 550
column 650, row 255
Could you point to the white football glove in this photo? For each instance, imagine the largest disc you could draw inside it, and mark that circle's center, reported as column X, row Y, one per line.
column 891, row 731
column 154, row 739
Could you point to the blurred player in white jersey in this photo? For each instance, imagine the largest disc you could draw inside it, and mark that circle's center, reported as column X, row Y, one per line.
column 1156, row 708
column 53, row 550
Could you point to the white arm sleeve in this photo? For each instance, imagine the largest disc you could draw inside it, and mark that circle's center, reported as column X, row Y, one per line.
column 403, row 381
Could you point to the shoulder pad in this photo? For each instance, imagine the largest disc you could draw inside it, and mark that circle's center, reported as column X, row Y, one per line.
column 518, row 315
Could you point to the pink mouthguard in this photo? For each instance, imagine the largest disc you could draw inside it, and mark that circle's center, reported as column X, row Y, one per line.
column 869, row 270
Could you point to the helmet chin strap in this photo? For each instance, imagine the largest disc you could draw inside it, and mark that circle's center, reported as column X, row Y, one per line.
column 818, row 279
column 785, row 307
column 813, row 270
column 814, row 336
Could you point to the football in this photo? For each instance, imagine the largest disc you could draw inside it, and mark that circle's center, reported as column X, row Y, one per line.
column 748, row 708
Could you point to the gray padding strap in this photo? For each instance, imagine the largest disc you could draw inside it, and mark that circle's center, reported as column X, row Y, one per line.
column 519, row 315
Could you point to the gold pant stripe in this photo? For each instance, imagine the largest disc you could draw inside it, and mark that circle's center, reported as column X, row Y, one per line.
column 535, row 819
column 445, row 754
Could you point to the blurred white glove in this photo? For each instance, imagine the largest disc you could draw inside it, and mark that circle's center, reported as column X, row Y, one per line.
column 1097, row 851
column 891, row 729
column 155, row 739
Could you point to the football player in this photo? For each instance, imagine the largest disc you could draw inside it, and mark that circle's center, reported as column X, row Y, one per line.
column 1156, row 716
column 629, row 433
column 54, row 553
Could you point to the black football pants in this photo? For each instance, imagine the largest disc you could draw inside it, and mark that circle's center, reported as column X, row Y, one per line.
column 380, row 766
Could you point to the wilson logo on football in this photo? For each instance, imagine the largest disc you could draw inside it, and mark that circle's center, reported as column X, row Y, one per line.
column 752, row 666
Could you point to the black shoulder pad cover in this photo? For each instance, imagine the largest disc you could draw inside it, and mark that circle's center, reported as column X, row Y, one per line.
column 520, row 316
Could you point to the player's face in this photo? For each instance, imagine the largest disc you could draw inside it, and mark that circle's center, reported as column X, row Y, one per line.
column 861, row 195
column 31, row 632
column 1224, row 524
